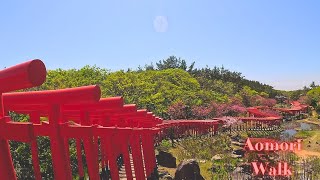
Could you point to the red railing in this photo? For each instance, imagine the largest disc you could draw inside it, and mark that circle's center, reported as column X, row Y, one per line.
column 104, row 127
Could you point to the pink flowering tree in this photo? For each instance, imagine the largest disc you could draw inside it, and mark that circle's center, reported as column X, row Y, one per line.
column 258, row 100
column 201, row 112
column 218, row 109
column 268, row 102
column 236, row 101
column 228, row 109
column 236, row 110
column 177, row 110
column 228, row 122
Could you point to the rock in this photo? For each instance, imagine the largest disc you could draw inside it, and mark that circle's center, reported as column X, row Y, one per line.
column 166, row 160
column 216, row 157
column 236, row 156
column 188, row 170
column 239, row 152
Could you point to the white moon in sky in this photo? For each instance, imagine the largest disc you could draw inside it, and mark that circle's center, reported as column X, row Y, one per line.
column 160, row 24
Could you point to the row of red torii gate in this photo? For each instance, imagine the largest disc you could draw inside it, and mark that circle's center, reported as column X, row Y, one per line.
column 104, row 128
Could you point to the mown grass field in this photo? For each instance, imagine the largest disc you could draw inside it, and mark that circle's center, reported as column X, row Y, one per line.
column 311, row 139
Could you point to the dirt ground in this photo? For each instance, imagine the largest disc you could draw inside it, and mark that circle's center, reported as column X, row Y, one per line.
column 307, row 153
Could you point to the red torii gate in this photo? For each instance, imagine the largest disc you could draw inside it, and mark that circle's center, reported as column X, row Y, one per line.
column 53, row 100
column 126, row 122
column 128, row 134
column 68, row 111
column 183, row 128
column 94, row 120
column 25, row 75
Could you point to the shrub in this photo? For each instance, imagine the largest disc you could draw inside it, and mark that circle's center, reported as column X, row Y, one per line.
column 164, row 145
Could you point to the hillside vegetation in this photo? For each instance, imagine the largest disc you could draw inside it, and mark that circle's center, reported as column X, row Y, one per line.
column 170, row 89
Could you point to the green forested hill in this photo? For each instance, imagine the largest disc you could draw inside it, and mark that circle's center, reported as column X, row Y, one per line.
column 170, row 82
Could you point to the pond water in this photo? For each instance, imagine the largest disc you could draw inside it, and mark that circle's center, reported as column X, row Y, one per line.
column 289, row 133
column 305, row 126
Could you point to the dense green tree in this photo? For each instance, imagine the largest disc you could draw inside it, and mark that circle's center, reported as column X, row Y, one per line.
column 59, row 78
column 314, row 96
column 173, row 62
column 313, row 85
column 206, row 76
column 154, row 89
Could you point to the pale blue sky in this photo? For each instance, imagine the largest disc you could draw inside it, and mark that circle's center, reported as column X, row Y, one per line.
column 273, row 41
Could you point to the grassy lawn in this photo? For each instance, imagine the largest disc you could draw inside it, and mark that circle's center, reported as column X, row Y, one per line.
column 204, row 169
column 314, row 148
column 306, row 135
column 313, row 137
